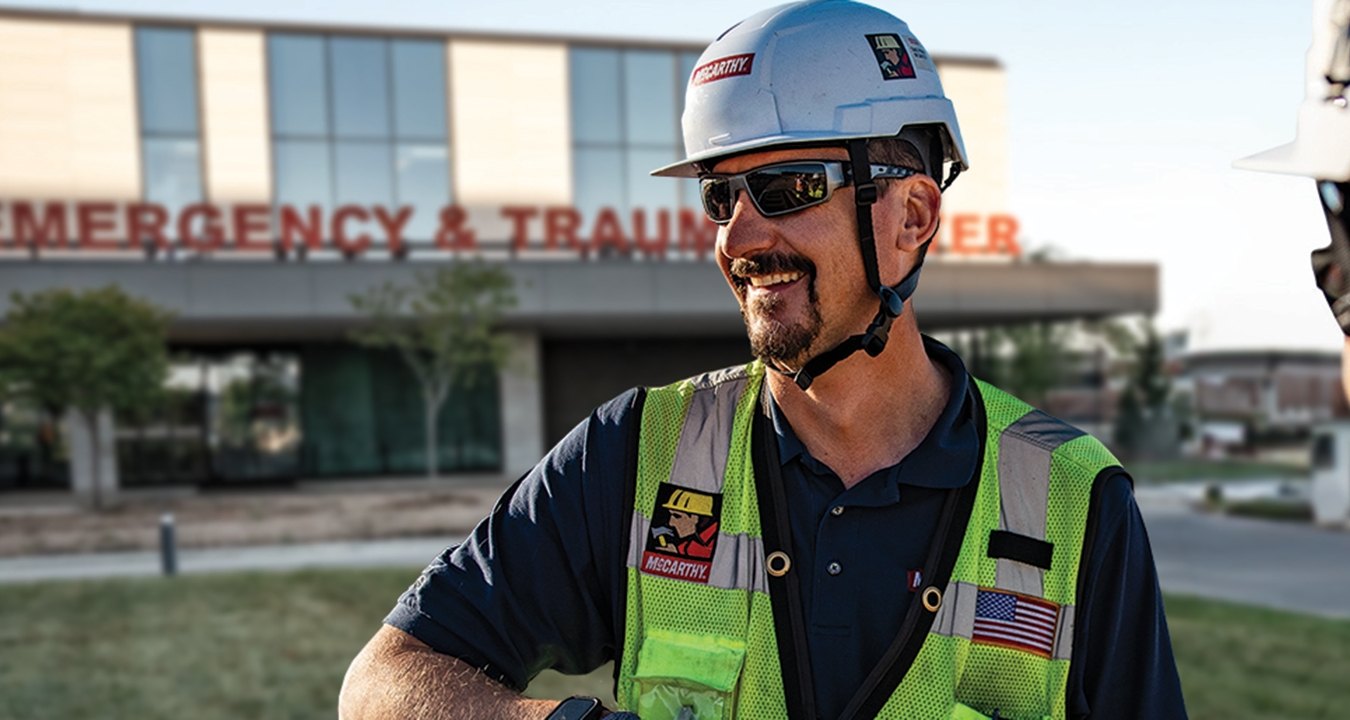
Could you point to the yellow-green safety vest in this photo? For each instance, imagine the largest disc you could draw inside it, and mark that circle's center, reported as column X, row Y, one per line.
column 996, row 622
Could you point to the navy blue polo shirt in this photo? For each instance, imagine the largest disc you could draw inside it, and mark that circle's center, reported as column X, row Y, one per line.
column 540, row 583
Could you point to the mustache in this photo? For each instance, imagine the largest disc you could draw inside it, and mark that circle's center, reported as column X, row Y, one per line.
column 768, row 263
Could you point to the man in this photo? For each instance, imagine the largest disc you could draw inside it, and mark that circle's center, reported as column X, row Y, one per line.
column 1322, row 151
column 894, row 539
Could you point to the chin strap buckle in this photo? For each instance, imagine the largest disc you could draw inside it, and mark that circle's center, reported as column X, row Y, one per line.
column 892, row 305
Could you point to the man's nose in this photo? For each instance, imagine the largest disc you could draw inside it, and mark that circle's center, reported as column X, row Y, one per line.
column 747, row 232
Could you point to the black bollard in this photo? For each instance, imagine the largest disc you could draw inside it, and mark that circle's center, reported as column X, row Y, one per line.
column 168, row 549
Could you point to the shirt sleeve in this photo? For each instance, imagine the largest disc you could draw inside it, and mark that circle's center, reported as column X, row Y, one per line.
column 539, row 582
column 1122, row 657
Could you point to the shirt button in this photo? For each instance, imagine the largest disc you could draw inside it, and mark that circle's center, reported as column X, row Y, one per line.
column 834, row 568
column 837, row 510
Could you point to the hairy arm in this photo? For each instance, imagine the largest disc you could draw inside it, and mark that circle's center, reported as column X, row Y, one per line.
column 398, row 676
column 534, row 586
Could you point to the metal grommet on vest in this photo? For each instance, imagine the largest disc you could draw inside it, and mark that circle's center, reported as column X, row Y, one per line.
column 932, row 599
column 778, row 563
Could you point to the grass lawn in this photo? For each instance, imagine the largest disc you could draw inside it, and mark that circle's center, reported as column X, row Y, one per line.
column 276, row 645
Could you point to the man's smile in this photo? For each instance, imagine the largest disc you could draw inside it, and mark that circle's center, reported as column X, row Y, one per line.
column 769, row 274
column 775, row 279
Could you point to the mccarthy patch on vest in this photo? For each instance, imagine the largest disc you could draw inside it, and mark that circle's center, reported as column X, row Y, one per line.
column 683, row 537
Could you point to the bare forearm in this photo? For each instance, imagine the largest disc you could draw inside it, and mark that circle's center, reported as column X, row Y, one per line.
column 396, row 676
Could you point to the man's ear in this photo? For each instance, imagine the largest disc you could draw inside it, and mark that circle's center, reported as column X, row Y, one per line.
column 922, row 202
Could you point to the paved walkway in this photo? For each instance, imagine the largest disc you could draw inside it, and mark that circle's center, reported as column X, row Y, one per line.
column 1283, row 565
column 1280, row 565
column 412, row 552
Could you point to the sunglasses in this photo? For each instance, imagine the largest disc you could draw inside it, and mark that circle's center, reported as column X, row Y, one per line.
column 783, row 188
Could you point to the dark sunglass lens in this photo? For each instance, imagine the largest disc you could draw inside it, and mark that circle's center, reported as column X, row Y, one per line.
column 785, row 188
column 716, row 194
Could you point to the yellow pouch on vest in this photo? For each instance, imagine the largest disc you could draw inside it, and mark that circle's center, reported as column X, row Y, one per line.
column 965, row 712
column 687, row 677
column 961, row 711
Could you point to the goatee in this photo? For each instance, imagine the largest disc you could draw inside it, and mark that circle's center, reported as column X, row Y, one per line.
column 772, row 340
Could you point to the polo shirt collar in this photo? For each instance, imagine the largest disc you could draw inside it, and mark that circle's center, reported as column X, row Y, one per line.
column 944, row 459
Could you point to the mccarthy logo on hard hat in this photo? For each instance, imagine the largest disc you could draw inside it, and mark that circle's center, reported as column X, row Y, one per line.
column 891, row 57
column 683, row 534
column 721, row 68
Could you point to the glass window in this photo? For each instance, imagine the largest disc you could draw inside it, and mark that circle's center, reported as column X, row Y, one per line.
column 625, row 123
column 595, row 96
column 423, row 181
column 599, row 184
column 387, row 142
column 360, row 87
column 298, row 81
column 173, row 175
column 649, row 97
column 419, row 89
column 364, row 174
column 166, row 93
column 651, row 192
column 166, row 79
column 303, row 175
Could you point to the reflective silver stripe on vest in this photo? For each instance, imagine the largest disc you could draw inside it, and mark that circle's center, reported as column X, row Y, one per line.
column 705, row 439
column 1064, row 634
column 701, row 464
column 737, row 564
column 956, row 618
column 1024, row 455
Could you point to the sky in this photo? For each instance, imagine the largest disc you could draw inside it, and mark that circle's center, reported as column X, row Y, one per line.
column 1124, row 120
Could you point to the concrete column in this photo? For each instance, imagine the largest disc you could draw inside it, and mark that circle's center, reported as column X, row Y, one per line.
column 522, row 404
column 236, row 145
column 82, row 459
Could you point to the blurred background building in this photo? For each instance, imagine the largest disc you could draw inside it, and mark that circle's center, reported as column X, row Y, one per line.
column 1245, row 400
column 246, row 177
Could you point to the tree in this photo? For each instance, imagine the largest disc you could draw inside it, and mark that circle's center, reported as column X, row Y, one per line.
column 444, row 326
column 1036, row 359
column 85, row 354
column 1146, row 425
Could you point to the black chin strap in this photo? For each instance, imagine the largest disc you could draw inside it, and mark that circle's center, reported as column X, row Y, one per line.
column 892, row 299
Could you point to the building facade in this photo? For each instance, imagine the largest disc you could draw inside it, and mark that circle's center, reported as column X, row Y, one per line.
column 251, row 177
column 1244, row 399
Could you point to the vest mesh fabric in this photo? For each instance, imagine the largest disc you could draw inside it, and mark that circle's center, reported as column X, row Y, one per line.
column 689, row 609
column 951, row 674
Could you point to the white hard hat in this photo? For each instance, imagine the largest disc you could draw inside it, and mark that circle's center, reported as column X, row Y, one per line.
column 1321, row 149
column 812, row 72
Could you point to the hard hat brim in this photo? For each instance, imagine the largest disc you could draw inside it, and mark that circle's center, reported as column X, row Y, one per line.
column 1298, row 159
column 688, row 167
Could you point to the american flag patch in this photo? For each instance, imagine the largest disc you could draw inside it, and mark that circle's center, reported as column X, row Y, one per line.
column 1015, row 621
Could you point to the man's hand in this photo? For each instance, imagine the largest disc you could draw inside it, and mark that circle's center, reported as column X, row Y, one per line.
column 398, row 676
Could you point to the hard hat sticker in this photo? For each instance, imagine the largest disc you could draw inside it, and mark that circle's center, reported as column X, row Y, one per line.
column 683, row 535
column 891, row 56
column 919, row 53
column 722, row 68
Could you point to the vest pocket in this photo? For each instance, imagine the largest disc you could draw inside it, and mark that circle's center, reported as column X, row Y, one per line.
column 965, row 712
column 676, row 671
column 961, row 711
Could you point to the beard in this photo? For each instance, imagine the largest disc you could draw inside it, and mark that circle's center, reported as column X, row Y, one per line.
column 772, row 340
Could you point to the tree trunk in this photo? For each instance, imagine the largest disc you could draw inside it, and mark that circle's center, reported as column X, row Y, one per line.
column 429, row 418
column 91, row 426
